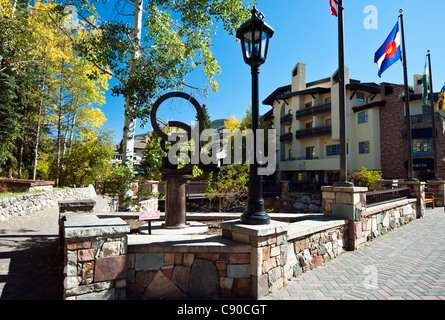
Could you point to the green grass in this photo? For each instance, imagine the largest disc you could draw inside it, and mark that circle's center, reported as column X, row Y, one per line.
column 13, row 194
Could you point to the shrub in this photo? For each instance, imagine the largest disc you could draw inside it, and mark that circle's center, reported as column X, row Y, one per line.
column 365, row 178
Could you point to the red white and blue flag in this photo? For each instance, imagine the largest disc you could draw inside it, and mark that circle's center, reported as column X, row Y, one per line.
column 390, row 51
column 334, row 7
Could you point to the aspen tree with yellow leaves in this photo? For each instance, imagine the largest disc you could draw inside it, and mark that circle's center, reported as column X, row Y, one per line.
column 49, row 93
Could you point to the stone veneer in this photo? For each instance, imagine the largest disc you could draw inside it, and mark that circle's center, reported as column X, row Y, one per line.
column 103, row 261
column 366, row 223
column 187, row 267
column 281, row 251
column 95, row 254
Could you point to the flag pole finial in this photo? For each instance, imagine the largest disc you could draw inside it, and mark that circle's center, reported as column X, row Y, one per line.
column 428, row 51
column 400, row 10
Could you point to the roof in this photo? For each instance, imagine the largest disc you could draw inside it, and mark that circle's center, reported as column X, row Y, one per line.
column 375, row 104
column 370, row 87
column 271, row 98
column 268, row 115
column 317, row 90
column 280, row 93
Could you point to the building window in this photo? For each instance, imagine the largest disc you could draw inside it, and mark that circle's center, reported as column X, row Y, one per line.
column 309, row 124
column 333, row 150
column 328, row 122
column 363, row 117
column 422, row 146
column 327, row 100
column 308, row 104
column 310, row 153
column 364, row 147
column 360, row 96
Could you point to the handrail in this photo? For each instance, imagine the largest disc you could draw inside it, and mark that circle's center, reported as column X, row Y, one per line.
column 374, row 198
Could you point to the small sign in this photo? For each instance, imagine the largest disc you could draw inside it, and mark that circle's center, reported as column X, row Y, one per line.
column 149, row 215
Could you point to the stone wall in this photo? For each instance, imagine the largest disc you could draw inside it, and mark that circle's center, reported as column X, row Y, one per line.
column 189, row 275
column 367, row 222
column 294, row 203
column 281, row 251
column 19, row 205
column 104, row 261
column 95, row 251
column 381, row 219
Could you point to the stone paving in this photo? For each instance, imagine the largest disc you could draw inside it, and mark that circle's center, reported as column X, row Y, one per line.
column 405, row 264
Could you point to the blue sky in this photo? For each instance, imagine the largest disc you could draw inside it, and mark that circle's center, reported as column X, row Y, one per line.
column 306, row 32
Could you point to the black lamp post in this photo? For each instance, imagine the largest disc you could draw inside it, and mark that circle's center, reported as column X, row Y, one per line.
column 254, row 35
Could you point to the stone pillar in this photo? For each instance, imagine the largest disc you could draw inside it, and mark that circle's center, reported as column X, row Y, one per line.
column 86, row 205
column 417, row 191
column 438, row 187
column 269, row 253
column 95, row 257
column 347, row 203
column 344, row 202
column 72, row 206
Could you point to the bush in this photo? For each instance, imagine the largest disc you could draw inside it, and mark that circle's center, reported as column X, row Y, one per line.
column 120, row 188
column 365, row 178
column 228, row 192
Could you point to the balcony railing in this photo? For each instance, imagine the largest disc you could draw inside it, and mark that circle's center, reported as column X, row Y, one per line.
column 313, row 132
column 312, row 111
column 287, row 137
column 286, row 119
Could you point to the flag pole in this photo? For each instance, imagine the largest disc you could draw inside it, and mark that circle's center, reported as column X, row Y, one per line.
column 407, row 111
column 341, row 77
column 433, row 120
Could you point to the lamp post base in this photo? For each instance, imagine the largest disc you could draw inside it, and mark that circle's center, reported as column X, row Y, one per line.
column 347, row 184
column 258, row 218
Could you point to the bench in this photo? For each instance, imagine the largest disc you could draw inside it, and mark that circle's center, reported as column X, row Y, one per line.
column 429, row 199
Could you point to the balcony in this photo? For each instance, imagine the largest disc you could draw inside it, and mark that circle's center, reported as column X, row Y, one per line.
column 312, row 111
column 313, row 132
column 287, row 137
column 286, row 119
column 424, row 118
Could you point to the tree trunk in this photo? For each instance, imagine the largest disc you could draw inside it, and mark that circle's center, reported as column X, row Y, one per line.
column 36, row 145
column 59, row 129
column 130, row 122
column 20, row 159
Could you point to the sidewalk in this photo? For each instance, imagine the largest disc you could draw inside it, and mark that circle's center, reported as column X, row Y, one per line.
column 30, row 266
column 405, row 264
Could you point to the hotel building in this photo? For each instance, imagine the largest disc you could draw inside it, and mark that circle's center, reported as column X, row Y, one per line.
column 306, row 118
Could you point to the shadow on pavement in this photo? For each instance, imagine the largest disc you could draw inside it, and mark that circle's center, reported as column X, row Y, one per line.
column 35, row 269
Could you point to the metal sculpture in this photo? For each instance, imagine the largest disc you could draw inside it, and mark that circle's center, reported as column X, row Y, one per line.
column 174, row 177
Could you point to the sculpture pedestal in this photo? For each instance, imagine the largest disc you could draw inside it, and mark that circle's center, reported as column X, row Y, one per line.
column 175, row 201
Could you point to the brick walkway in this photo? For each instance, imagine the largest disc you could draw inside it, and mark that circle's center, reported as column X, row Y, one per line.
column 405, row 264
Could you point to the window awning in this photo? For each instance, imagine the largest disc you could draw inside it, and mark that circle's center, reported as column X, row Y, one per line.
column 421, row 133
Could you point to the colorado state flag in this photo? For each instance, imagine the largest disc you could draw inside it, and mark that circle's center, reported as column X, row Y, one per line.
column 390, row 51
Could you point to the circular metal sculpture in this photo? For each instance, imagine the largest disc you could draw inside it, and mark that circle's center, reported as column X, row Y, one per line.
column 175, row 178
